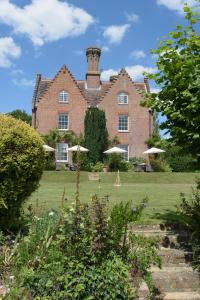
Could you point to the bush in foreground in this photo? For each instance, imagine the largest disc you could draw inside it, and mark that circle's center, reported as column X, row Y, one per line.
column 21, row 166
column 84, row 253
column 190, row 212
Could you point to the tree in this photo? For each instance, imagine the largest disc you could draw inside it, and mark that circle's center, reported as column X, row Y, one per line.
column 21, row 166
column 178, row 76
column 96, row 134
column 54, row 136
column 21, row 115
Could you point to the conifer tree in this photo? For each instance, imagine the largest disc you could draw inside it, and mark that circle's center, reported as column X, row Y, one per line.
column 96, row 134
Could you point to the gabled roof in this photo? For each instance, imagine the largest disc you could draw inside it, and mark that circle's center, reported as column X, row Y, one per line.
column 93, row 97
column 43, row 85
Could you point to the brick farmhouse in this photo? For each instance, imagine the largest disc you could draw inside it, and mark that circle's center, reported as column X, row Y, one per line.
column 61, row 103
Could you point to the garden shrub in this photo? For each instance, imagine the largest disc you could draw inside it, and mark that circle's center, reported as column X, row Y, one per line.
column 180, row 162
column 21, row 166
column 159, row 164
column 98, row 167
column 50, row 161
column 190, row 213
column 84, row 253
column 116, row 163
column 134, row 161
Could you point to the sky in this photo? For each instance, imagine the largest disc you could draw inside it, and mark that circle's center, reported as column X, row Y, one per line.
column 39, row 36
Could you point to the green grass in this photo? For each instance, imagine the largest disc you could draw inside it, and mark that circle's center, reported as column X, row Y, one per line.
column 162, row 189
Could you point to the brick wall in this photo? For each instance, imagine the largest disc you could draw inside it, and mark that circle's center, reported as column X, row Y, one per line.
column 139, row 117
column 49, row 106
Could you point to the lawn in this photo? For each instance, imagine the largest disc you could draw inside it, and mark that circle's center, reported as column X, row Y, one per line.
column 162, row 189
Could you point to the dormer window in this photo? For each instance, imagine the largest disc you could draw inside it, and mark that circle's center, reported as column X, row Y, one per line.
column 63, row 97
column 122, row 98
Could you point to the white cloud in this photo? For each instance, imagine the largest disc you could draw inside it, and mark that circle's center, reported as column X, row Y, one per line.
column 105, row 75
column 17, row 72
column 176, row 5
column 45, row 21
column 138, row 54
column 115, row 33
column 8, row 51
column 132, row 18
column 78, row 52
column 105, row 49
column 23, row 82
column 135, row 72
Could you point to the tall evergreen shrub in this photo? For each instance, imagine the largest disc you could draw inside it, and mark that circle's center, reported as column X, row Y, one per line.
column 96, row 134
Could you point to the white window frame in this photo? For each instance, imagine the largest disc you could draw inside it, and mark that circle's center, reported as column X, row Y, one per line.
column 65, row 151
column 123, row 130
column 63, row 96
column 59, row 122
column 122, row 98
column 121, row 146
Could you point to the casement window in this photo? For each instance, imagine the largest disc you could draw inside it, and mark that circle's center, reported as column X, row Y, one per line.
column 123, row 123
column 122, row 98
column 125, row 156
column 61, row 152
column 63, row 121
column 63, row 97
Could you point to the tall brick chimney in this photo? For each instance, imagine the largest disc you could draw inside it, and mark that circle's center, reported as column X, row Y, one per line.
column 93, row 74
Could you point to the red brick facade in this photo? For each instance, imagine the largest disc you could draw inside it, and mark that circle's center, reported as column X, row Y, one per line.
column 93, row 92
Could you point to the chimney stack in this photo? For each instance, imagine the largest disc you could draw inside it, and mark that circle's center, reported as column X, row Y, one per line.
column 93, row 74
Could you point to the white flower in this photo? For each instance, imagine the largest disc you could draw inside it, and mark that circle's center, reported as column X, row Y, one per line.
column 51, row 213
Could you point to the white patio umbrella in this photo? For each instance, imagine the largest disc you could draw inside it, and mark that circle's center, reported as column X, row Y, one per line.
column 115, row 150
column 119, row 151
column 48, row 148
column 78, row 149
column 153, row 150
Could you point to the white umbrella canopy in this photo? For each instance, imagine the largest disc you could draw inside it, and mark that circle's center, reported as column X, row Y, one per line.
column 78, row 148
column 153, row 150
column 48, row 148
column 115, row 150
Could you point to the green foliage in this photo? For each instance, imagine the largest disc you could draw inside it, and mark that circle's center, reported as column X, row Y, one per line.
column 178, row 76
column 190, row 213
column 21, row 115
column 134, row 161
column 98, row 167
column 21, row 167
column 178, row 159
column 83, row 254
column 116, row 163
column 55, row 136
column 96, row 134
column 159, row 164
column 50, row 161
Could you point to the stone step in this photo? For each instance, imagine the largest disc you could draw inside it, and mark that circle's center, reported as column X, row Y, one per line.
column 182, row 296
column 157, row 227
column 168, row 239
column 175, row 279
column 174, row 256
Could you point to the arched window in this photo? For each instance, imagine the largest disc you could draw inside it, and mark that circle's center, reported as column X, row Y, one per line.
column 122, row 98
column 63, row 97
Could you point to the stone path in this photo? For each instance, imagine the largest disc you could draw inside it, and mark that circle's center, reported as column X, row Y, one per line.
column 176, row 280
